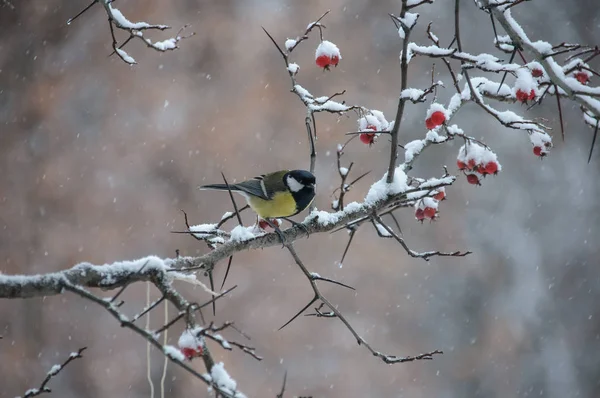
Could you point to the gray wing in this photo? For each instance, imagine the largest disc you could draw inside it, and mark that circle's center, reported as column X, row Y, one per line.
column 254, row 187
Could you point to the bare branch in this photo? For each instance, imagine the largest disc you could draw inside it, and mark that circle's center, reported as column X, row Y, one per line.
column 34, row 392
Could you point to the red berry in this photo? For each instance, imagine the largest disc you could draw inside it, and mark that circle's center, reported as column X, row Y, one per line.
column 323, row 61
column 461, row 165
column 521, row 95
column 371, row 127
column 538, row 151
column 471, row 164
column 430, row 124
column 190, row 353
column 334, row 60
column 582, row 77
column 473, row 179
column 420, row 214
column 491, row 168
column 439, row 196
column 367, row 138
column 537, row 73
column 524, row 97
column 438, row 118
column 264, row 224
column 429, row 212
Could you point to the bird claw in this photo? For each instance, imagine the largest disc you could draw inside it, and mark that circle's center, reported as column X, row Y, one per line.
column 298, row 225
column 278, row 231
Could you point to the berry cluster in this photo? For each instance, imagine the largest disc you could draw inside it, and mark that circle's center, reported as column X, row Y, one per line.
column 426, row 208
column 523, row 96
column 477, row 159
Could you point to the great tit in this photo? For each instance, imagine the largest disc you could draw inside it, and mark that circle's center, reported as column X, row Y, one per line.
column 280, row 194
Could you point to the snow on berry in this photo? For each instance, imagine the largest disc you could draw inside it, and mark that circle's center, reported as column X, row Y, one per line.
column 523, row 96
column 525, row 88
column 327, row 54
column 426, row 208
column 478, row 158
column 542, row 143
column 436, row 116
column 537, row 70
column 189, row 344
column 440, row 195
column 582, row 76
column 375, row 119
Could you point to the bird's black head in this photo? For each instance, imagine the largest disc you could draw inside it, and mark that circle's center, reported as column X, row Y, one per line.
column 301, row 184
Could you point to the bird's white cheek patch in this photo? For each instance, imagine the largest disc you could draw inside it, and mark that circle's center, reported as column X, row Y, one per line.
column 293, row 184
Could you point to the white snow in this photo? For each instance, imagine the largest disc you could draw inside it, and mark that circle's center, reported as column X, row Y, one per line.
column 123, row 22
column 221, row 378
column 330, row 106
column 290, row 43
column 174, row 353
column 434, row 51
column 164, row 45
column 454, row 129
column 241, row 234
column 303, row 92
column 201, row 230
column 412, row 94
column 344, row 171
column 188, row 339
column 540, row 139
column 409, row 21
column 382, row 190
column 328, row 49
column 437, row 107
column 478, row 154
column 376, row 119
column 412, row 149
column 525, row 82
column 54, row 370
column 293, row 68
column 382, row 231
column 126, row 57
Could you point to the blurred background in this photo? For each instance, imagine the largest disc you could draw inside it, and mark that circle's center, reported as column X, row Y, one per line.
column 98, row 158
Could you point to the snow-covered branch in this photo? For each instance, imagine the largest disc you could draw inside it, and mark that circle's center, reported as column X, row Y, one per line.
column 542, row 51
column 117, row 20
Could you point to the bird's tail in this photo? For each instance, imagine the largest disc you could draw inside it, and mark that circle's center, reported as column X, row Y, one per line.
column 219, row 187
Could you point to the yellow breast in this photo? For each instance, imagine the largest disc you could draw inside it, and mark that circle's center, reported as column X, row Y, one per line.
column 281, row 205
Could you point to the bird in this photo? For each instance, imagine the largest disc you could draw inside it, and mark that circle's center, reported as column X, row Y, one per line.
column 280, row 194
